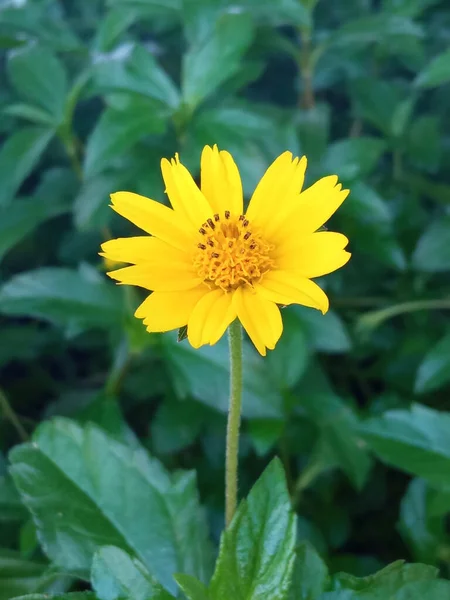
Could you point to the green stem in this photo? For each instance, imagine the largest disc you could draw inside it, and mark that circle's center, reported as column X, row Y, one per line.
column 234, row 420
column 11, row 415
column 374, row 319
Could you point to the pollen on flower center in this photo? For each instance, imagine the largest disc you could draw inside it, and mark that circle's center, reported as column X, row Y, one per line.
column 229, row 254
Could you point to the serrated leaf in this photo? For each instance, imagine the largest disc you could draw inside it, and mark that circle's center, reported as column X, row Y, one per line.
column 39, row 76
column 216, row 58
column 66, row 297
column 18, row 157
column 84, row 491
column 116, row 575
column 416, row 441
column 23, row 216
column 256, row 555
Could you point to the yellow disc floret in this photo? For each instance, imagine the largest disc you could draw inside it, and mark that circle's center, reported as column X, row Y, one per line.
column 230, row 254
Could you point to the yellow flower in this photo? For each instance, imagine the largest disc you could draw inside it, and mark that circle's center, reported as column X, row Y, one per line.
column 208, row 263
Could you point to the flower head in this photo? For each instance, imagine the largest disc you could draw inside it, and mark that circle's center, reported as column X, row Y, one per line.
column 207, row 262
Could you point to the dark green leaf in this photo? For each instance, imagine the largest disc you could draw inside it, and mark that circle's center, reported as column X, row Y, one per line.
column 117, row 131
column 354, row 157
column 176, row 425
column 310, row 574
column 434, row 370
column 70, row 298
column 84, row 491
column 416, row 441
column 216, row 58
column 70, row 596
column 116, row 575
column 437, row 72
column 18, row 157
column 39, row 76
column 91, row 207
column 432, row 253
column 264, row 434
column 256, row 556
column 326, row 333
column 29, row 112
column 18, row 575
column 204, row 374
column 23, row 216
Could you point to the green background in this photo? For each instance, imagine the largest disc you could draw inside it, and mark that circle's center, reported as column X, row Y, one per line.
column 356, row 402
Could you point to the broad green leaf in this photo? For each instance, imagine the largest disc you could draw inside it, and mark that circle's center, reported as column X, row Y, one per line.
column 18, row 157
column 91, row 206
column 421, row 590
column 339, row 431
column 416, row 527
column 117, row 131
column 310, row 574
column 29, row 112
column 211, row 61
column 84, row 491
column 204, row 374
column 265, row 433
column 375, row 29
column 116, row 575
column 23, row 216
column 432, row 253
column 131, row 68
column 66, row 297
column 376, row 100
column 434, row 370
column 386, row 583
column 353, row 158
column 366, row 206
column 176, row 425
column 416, row 441
column 38, row 75
column 326, row 333
column 437, row 72
column 424, row 145
column 257, row 550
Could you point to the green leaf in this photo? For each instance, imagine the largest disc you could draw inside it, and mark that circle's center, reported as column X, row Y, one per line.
column 416, row 441
column 11, row 508
column 23, row 216
column 264, row 434
column 18, row 575
column 204, row 374
column 66, row 297
column 18, row 157
column 214, row 59
column 310, row 574
column 38, row 75
column 432, row 253
column 326, row 333
column 91, row 208
column 340, row 434
column 117, row 131
column 84, row 491
column 424, row 146
column 431, row 590
column 437, row 72
column 288, row 361
column 29, row 112
column 353, row 158
column 176, row 425
column 134, row 69
column 70, row 596
column 313, row 126
column 116, row 575
column 434, row 370
column 257, row 550
column 415, row 525
column 192, row 588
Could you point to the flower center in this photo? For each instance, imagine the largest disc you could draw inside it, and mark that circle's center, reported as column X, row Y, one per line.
column 230, row 254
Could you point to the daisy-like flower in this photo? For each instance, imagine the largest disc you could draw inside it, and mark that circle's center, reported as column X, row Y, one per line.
column 207, row 262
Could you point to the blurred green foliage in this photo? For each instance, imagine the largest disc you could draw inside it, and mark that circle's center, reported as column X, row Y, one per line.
column 92, row 95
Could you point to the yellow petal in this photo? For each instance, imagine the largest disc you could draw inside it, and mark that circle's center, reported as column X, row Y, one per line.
column 154, row 218
column 260, row 318
column 210, row 318
column 163, row 311
column 163, row 276
column 184, row 195
column 220, row 181
column 313, row 255
column 142, row 249
column 277, row 192
column 284, row 287
column 314, row 207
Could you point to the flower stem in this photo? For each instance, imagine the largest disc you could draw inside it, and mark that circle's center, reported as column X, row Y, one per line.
column 234, row 420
